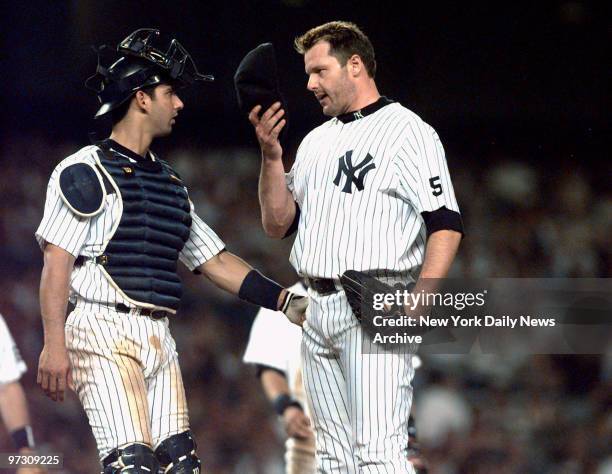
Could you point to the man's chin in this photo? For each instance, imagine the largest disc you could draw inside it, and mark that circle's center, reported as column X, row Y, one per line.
column 166, row 132
column 328, row 111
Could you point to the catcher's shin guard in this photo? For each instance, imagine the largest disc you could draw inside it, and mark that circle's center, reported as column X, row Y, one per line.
column 177, row 454
column 131, row 459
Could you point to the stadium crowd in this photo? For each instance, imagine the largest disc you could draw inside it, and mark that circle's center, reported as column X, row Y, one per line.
column 475, row 413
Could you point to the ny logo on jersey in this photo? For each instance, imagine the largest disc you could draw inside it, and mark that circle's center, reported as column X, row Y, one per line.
column 346, row 167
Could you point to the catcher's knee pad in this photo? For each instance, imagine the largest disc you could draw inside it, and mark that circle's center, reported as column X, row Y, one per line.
column 177, row 454
column 131, row 459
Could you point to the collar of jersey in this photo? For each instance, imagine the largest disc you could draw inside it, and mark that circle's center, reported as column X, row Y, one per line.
column 115, row 147
column 367, row 110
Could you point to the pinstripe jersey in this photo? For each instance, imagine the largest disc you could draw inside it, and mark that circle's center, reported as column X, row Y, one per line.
column 12, row 365
column 361, row 183
column 89, row 236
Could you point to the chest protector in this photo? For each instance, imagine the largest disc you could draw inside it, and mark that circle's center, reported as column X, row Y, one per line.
column 141, row 257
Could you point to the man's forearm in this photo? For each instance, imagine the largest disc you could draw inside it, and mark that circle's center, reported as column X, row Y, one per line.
column 439, row 253
column 13, row 406
column 274, row 384
column 54, row 289
column 229, row 272
column 226, row 270
column 277, row 205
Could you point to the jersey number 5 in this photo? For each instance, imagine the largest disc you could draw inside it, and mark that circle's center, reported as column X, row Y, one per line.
column 435, row 185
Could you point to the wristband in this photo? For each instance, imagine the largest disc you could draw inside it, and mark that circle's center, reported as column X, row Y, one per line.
column 259, row 290
column 284, row 401
column 23, row 437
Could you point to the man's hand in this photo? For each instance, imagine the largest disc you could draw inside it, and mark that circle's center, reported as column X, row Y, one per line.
column 54, row 371
column 267, row 128
column 297, row 424
column 294, row 306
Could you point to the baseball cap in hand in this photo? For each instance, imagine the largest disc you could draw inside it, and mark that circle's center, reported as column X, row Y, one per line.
column 257, row 82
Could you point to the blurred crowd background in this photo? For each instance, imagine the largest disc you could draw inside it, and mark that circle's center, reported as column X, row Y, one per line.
column 518, row 98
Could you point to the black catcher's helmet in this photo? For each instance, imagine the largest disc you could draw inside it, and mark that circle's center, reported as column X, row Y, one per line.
column 147, row 58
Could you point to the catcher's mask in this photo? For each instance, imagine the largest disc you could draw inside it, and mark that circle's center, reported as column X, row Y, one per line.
column 146, row 58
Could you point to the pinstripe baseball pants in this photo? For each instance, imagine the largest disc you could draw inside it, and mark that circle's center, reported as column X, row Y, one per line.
column 359, row 394
column 126, row 374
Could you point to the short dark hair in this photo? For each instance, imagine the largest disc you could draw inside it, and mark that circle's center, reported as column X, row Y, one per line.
column 344, row 38
column 118, row 114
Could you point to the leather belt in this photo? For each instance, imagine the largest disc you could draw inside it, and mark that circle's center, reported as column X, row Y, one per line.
column 152, row 313
column 81, row 259
column 324, row 286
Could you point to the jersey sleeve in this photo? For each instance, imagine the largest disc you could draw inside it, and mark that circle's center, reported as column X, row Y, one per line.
column 12, row 365
column 424, row 178
column 274, row 340
column 265, row 346
column 60, row 226
column 289, row 177
column 202, row 245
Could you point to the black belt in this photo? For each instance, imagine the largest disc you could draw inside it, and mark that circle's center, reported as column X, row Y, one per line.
column 81, row 259
column 152, row 313
column 323, row 286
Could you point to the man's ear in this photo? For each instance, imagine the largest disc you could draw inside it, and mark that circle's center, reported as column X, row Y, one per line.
column 142, row 100
column 355, row 65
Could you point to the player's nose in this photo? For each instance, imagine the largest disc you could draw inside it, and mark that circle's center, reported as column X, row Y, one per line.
column 313, row 83
column 178, row 103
